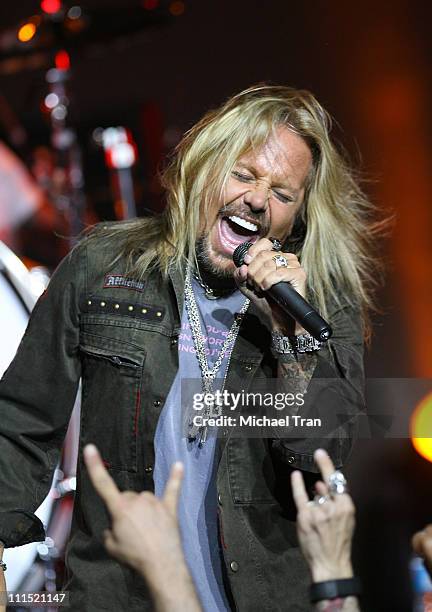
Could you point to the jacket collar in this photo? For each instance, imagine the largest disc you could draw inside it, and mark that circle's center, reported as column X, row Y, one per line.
column 177, row 278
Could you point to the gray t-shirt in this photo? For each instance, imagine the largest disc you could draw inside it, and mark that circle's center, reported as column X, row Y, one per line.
column 197, row 508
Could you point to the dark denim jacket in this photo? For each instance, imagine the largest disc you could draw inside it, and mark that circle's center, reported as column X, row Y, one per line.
column 122, row 339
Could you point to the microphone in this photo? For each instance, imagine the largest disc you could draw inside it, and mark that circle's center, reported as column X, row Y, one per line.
column 291, row 302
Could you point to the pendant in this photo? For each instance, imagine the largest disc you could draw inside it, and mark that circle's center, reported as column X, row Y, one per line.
column 209, row 294
column 213, row 410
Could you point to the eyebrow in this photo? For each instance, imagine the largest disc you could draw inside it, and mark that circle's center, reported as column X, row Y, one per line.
column 281, row 184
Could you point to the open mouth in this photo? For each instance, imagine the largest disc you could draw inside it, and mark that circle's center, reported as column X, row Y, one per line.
column 234, row 230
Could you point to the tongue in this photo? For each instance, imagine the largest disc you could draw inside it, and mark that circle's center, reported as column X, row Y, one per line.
column 232, row 234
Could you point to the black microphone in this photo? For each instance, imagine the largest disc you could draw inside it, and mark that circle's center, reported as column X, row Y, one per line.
column 291, row 302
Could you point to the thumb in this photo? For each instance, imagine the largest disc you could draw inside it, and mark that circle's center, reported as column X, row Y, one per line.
column 172, row 489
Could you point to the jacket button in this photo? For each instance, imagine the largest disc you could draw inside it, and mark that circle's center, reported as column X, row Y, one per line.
column 248, row 368
column 174, row 341
column 234, row 566
column 291, row 459
column 219, row 499
column 148, row 469
column 157, row 403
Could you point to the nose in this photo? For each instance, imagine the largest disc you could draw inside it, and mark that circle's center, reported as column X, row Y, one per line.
column 257, row 197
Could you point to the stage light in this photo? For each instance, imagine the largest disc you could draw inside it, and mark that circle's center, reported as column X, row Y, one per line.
column 120, row 148
column 74, row 12
column 59, row 113
column 62, row 60
column 51, row 100
column 421, row 427
column 51, row 6
column 177, row 8
column 26, row 32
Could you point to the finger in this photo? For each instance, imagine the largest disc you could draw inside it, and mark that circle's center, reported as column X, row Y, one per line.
column 263, row 244
column 102, row 481
column 264, row 256
column 321, row 488
column 298, row 490
column 251, row 294
column 269, row 276
column 240, row 274
column 264, row 264
column 173, row 486
column 324, row 463
column 109, row 541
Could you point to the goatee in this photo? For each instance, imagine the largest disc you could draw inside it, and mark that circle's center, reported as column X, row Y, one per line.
column 218, row 278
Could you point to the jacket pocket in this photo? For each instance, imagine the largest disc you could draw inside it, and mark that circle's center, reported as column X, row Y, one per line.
column 112, row 372
column 250, row 471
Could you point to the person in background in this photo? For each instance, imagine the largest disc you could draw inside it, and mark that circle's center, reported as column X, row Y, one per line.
column 145, row 534
column 422, row 546
column 325, row 528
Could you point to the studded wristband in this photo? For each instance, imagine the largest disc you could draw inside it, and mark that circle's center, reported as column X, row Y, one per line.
column 303, row 343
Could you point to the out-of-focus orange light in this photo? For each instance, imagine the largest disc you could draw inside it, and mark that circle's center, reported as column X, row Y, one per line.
column 149, row 5
column 421, row 427
column 177, row 8
column 51, row 6
column 26, row 32
column 62, row 60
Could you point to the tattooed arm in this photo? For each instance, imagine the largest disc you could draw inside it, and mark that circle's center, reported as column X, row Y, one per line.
column 330, row 381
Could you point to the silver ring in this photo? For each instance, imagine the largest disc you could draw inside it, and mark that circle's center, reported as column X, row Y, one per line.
column 280, row 261
column 337, row 483
column 318, row 500
column 277, row 244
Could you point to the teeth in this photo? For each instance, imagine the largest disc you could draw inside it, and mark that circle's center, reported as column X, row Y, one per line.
column 243, row 223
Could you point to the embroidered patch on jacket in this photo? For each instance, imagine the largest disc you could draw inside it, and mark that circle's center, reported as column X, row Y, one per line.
column 119, row 281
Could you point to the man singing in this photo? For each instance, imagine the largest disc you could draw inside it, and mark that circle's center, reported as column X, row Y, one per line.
column 139, row 307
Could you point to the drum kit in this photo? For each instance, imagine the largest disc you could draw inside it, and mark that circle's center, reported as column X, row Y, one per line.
column 33, row 567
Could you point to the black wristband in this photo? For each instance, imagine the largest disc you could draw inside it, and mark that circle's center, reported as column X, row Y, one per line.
column 331, row 589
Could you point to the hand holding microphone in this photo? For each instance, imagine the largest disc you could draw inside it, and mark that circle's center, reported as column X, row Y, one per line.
column 268, row 268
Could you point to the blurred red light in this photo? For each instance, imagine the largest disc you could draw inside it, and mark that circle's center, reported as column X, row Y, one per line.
column 51, row 6
column 62, row 60
column 149, row 5
column 177, row 8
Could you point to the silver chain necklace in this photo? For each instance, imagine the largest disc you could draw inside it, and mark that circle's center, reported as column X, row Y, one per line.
column 208, row 375
column 209, row 292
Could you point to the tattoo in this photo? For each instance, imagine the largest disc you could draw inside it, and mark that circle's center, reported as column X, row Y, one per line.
column 299, row 370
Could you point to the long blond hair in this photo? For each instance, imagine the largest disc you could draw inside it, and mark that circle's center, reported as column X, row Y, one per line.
column 333, row 232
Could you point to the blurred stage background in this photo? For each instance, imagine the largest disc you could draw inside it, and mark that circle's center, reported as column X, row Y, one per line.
column 154, row 67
